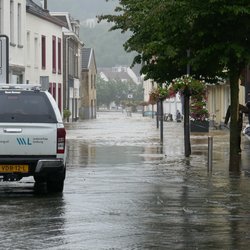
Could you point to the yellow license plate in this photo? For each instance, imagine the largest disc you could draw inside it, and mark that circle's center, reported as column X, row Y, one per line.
column 14, row 168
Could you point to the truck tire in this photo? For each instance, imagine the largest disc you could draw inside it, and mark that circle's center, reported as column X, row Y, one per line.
column 55, row 186
column 56, row 183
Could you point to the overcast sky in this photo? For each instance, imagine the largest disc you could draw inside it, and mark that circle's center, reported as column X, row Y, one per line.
column 81, row 9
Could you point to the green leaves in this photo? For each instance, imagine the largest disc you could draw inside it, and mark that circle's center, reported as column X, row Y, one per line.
column 117, row 91
column 217, row 32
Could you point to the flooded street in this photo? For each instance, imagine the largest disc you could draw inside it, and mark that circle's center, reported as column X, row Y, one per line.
column 124, row 190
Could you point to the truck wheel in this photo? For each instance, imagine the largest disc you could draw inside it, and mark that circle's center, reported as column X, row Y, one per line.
column 56, row 183
column 55, row 186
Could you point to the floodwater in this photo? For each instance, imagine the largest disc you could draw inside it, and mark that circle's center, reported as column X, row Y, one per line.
column 124, row 190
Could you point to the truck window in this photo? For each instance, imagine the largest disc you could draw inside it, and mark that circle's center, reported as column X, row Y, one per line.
column 27, row 106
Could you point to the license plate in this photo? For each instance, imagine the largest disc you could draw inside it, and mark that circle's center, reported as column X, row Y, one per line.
column 14, row 168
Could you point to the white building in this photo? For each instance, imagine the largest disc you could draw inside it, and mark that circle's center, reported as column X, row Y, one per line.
column 44, row 50
column 72, row 63
column 13, row 25
column 35, row 45
column 88, row 84
column 120, row 73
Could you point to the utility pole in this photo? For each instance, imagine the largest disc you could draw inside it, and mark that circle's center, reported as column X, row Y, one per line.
column 161, row 120
column 158, row 114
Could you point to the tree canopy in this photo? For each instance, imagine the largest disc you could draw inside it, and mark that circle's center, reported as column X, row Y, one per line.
column 117, row 92
column 215, row 32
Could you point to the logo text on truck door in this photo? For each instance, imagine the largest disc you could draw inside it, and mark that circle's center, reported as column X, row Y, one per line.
column 24, row 141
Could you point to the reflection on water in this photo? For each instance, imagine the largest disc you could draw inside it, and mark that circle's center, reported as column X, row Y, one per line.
column 143, row 195
column 124, row 190
column 29, row 221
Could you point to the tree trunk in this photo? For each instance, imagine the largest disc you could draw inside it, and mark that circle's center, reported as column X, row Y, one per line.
column 187, row 126
column 234, row 112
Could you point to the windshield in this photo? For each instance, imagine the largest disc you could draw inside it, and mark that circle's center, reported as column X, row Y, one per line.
column 25, row 106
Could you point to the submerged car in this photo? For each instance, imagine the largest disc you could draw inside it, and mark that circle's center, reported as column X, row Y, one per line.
column 32, row 136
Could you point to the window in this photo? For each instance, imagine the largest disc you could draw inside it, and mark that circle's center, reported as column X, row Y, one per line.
column 28, row 48
column 1, row 16
column 12, row 32
column 92, row 83
column 76, row 66
column 54, row 54
column 25, row 107
column 76, row 63
column 59, row 56
column 51, row 88
column 71, row 61
column 36, row 51
column 19, row 24
column 60, row 96
column 43, row 52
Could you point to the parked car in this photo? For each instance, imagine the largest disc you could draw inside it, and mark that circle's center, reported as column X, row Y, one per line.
column 32, row 136
column 149, row 113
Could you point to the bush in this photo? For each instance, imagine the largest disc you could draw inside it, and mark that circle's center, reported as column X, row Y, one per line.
column 66, row 114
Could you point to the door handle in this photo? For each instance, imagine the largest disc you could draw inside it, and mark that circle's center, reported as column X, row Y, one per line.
column 12, row 130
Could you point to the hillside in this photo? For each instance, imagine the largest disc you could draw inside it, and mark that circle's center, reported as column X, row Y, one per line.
column 108, row 46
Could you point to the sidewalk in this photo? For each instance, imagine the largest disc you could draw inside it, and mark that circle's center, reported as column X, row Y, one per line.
column 174, row 145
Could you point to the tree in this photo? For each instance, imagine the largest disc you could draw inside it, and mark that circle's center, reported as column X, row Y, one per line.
column 216, row 32
column 103, row 92
column 224, row 30
column 117, row 91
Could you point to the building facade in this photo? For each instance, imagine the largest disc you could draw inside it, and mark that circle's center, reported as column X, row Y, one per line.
column 13, row 25
column 218, row 100
column 44, row 55
column 120, row 73
column 44, row 48
column 72, row 46
column 148, row 85
column 88, row 84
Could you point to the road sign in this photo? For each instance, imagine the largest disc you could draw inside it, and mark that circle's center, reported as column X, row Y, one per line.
column 4, row 59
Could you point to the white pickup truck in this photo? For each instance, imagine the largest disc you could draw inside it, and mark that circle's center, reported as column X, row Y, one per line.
column 32, row 136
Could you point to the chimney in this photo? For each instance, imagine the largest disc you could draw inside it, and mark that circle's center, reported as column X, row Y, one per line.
column 45, row 6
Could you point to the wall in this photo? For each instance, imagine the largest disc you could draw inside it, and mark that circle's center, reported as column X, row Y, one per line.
column 12, row 24
column 36, row 28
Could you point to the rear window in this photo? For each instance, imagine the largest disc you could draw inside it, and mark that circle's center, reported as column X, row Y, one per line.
column 32, row 107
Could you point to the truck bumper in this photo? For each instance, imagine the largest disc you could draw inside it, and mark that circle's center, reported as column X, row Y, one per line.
column 49, row 165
